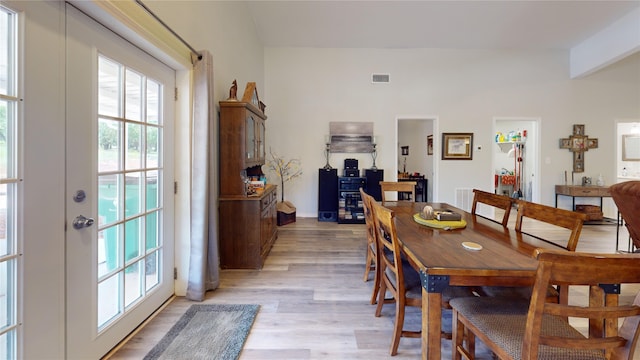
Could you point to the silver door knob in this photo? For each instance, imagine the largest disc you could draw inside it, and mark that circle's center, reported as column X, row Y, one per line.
column 82, row 222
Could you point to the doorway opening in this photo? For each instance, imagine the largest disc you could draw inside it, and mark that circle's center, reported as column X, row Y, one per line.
column 415, row 151
column 516, row 158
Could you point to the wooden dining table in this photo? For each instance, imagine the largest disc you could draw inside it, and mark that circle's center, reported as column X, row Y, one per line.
column 507, row 258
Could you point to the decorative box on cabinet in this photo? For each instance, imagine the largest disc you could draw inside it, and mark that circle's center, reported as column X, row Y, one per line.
column 247, row 224
column 247, row 229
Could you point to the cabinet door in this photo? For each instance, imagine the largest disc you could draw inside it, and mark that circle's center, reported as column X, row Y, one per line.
column 250, row 138
column 261, row 140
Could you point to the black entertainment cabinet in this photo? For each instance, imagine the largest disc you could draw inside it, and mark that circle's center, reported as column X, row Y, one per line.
column 350, row 210
column 339, row 197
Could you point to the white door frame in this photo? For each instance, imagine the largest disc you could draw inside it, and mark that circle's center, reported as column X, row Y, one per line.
column 532, row 147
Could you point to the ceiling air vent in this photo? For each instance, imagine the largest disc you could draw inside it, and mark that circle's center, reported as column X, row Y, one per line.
column 380, row 78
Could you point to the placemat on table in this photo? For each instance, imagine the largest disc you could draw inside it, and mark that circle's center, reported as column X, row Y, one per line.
column 439, row 224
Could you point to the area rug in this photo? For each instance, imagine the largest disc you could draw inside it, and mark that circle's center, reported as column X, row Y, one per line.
column 207, row 332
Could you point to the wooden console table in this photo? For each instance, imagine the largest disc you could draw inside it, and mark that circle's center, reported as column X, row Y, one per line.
column 582, row 191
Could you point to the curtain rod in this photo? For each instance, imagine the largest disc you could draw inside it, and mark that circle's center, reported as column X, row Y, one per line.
column 139, row 2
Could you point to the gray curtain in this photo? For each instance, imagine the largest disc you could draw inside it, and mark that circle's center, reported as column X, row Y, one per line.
column 204, row 263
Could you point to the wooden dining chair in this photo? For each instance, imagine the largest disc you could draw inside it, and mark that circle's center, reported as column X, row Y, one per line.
column 398, row 187
column 397, row 276
column 372, row 261
column 567, row 219
column 562, row 218
column 400, row 278
column 537, row 329
column 498, row 201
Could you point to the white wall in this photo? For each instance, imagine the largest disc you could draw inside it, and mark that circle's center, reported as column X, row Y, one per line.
column 307, row 88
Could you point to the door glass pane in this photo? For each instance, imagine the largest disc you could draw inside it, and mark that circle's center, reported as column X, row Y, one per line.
column 110, row 89
column 109, row 195
column 8, row 345
column 134, row 194
column 152, row 231
column 151, row 270
column 134, row 286
column 109, row 135
column 109, row 305
column 152, row 146
column 133, row 90
column 261, row 140
column 251, row 138
column 7, row 245
column 153, row 102
column 132, row 231
column 4, row 144
column 8, row 70
column 8, row 123
column 109, row 253
column 133, row 143
column 152, row 190
column 7, row 288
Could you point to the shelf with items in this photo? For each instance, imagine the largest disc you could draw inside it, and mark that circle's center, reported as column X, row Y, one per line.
column 350, row 209
column 505, row 146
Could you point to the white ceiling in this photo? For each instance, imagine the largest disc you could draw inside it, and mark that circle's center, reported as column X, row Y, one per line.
column 539, row 24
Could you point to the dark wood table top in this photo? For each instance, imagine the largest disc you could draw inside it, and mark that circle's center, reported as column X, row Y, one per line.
column 505, row 252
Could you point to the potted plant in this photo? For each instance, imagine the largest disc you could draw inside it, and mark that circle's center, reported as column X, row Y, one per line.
column 286, row 170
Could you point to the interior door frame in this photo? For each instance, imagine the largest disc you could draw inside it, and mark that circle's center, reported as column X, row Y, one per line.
column 532, row 150
column 432, row 183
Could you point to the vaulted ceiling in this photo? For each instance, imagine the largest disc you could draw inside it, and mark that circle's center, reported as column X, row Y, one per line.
column 514, row 24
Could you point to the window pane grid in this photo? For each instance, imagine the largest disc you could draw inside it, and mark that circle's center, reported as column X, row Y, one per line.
column 129, row 178
column 8, row 52
column 9, row 184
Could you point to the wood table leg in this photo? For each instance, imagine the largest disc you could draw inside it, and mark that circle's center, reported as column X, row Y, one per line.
column 431, row 324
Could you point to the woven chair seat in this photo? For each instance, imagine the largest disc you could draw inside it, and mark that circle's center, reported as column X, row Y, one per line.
column 503, row 321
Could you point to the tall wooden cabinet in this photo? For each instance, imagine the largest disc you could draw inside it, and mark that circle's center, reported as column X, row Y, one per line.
column 247, row 223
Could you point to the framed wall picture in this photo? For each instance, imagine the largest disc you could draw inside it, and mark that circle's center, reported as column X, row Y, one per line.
column 430, row 145
column 457, row 146
column 631, row 147
column 405, row 150
column 578, row 143
column 578, row 161
column 578, row 129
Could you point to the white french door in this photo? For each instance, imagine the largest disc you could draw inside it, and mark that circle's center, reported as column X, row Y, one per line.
column 119, row 172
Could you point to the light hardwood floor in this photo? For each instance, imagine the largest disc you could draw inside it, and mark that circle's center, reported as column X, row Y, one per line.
column 314, row 304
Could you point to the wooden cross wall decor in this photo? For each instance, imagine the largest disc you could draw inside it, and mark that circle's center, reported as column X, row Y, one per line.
column 578, row 143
